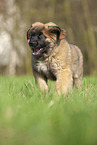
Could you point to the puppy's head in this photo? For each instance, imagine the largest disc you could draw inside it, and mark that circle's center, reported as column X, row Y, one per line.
column 43, row 37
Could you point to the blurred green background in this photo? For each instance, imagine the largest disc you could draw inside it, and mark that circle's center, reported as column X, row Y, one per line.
column 78, row 17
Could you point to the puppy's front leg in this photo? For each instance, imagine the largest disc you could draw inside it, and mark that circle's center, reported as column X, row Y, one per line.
column 64, row 81
column 40, row 80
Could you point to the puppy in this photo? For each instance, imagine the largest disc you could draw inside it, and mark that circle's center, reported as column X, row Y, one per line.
column 54, row 58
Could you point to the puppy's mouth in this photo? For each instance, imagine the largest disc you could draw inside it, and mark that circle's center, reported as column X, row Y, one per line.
column 36, row 48
column 37, row 51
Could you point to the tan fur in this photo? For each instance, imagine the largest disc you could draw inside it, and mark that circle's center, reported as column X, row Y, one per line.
column 65, row 61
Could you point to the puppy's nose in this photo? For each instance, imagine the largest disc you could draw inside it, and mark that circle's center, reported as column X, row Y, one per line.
column 32, row 43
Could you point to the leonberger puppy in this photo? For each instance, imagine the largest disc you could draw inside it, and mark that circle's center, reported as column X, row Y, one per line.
column 54, row 58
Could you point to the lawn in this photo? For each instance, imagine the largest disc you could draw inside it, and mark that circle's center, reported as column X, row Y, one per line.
column 29, row 117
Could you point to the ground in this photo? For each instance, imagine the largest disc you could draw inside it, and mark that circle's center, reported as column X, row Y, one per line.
column 29, row 117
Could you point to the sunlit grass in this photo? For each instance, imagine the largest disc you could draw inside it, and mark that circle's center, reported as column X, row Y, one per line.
column 29, row 117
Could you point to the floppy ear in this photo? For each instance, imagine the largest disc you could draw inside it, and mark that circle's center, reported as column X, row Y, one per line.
column 29, row 32
column 54, row 31
column 62, row 34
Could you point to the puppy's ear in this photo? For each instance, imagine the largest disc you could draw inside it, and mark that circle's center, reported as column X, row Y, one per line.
column 54, row 31
column 62, row 34
column 28, row 33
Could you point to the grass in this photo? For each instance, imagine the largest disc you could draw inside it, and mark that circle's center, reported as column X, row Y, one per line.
column 29, row 117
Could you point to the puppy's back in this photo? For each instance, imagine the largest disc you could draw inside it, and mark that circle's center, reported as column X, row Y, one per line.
column 77, row 61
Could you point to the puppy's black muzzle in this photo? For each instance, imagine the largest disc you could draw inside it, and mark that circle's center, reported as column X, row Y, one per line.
column 33, row 43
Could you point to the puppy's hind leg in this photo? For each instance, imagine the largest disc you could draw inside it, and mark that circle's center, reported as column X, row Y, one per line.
column 78, row 82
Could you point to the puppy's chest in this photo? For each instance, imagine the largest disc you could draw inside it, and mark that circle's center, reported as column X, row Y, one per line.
column 43, row 67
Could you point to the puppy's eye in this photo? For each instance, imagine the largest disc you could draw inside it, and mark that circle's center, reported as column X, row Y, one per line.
column 33, row 33
column 42, row 36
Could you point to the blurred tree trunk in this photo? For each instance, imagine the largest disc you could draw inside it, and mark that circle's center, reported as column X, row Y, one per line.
column 12, row 46
column 68, row 17
column 92, row 46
